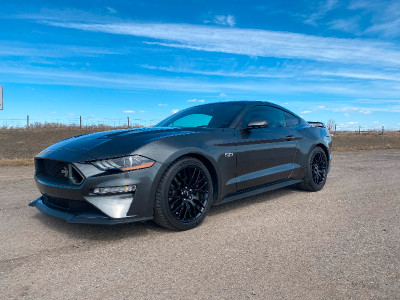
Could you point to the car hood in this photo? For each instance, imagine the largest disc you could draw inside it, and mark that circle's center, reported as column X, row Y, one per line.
column 114, row 143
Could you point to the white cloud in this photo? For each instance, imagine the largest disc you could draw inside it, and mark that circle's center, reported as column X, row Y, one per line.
column 321, row 107
column 192, row 100
column 222, row 95
column 306, row 112
column 111, row 10
column 123, row 81
column 252, row 42
column 269, row 73
column 365, row 111
column 174, row 111
column 223, row 20
column 352, row 123
column 8, row 48
column 162, row 104
column 323, row 8
column 388, row 29
column 349, row 25
column 384, row 16
column 369, row 75
column 348, row 110
column 143, row 111
column 129, row 111
column 201, row 100
column 71, row 114
column 376, row 122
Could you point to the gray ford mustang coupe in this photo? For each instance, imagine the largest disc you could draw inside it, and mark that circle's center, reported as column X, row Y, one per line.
column 175, row 171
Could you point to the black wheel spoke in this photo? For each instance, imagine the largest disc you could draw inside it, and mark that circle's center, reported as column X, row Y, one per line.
column 200, row 190
column 188, row 194
column 192, row 178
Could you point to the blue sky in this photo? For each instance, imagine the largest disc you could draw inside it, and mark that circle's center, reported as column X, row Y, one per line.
column 107, row 60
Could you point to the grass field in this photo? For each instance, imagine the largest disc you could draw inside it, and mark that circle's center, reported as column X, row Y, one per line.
column 19, row 146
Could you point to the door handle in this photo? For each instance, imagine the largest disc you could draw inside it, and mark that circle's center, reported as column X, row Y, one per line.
column 290, row 137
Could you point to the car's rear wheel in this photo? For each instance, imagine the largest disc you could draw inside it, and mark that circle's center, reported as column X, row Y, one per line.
column 184, row 195
column 316, row 171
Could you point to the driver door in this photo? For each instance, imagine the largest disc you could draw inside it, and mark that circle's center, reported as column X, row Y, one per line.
column 264, row 155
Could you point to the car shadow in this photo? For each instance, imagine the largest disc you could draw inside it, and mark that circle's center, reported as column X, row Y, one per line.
column 249, row 201
column 128, row 230
column 99, row 232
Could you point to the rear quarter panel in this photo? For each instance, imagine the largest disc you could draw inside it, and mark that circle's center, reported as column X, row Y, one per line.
column 311, row 137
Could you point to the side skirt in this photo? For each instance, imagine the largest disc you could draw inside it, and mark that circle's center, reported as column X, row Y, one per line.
column 258, row 190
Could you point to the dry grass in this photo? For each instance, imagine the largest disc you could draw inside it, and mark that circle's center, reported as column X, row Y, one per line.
column 371, row 140
column 19, row 146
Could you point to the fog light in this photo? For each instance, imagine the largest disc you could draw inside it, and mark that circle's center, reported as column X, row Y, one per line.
column 115, row 190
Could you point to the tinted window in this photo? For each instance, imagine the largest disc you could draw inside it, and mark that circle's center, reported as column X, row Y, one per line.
column 272, row 115
column 290, row 119
column 218, row 115
column 194, row 120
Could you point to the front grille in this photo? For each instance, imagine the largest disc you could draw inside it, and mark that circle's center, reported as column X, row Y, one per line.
column 68, row 205
column 52, row 168
column 59, row 172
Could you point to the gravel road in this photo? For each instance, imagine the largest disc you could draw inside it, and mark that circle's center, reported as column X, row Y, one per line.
column 340, row 243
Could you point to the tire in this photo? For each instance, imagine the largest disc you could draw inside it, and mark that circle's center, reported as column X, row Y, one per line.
column 316, row 171
column 184, row 195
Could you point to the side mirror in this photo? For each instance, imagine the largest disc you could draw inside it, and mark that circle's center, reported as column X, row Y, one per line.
column 254, row 124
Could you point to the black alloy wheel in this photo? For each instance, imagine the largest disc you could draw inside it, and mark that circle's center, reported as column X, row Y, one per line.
column 184, row 195
column 316, row 171
column 188, row 194
column 319, row 168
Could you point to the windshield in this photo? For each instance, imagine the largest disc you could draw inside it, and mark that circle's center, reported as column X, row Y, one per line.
column 218, row 115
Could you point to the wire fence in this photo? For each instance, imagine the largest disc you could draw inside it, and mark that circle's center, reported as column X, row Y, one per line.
column 76, row 122
column 127, row 122
column 362, row 128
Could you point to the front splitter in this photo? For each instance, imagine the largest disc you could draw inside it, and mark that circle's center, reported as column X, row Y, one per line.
column 84, row 218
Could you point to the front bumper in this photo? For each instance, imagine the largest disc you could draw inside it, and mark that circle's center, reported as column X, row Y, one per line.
column 83, row 217
column 109, row 208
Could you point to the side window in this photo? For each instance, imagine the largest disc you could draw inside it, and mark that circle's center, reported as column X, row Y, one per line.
column 290, row 119
column 273, row 116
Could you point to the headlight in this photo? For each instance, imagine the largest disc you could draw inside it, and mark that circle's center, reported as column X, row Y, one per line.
column 126, row 163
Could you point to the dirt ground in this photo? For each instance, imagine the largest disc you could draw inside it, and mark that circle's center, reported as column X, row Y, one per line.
column 347, row 141
column 340, row 243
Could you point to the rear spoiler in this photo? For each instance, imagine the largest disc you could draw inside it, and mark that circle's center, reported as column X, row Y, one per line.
column 317, row 124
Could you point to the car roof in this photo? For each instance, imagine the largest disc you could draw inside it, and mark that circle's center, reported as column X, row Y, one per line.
column 249, row 103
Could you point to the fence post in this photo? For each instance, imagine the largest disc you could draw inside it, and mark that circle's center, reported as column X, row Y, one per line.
column 128, row 122
column 27, row 121
column 335, row 128
column 383, row 129
column 80, row 122
column 359, row 129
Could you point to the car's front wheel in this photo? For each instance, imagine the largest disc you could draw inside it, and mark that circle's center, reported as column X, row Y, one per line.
column 184, row 195
column 316, row 171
